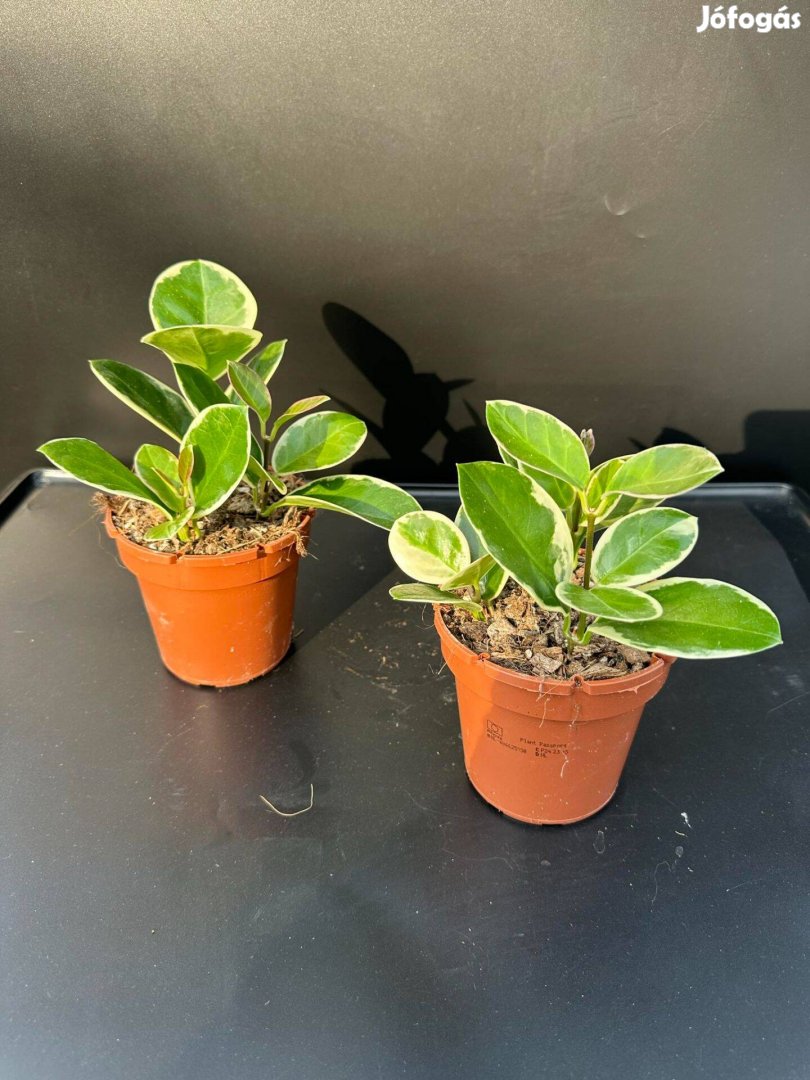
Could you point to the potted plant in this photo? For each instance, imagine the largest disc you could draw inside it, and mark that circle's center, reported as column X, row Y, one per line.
column 557, row 640
column 213, row 531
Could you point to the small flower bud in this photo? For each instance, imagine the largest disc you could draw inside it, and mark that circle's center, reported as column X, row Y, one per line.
column 588, row 441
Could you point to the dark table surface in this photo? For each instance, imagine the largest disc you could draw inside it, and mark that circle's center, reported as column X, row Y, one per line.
column 158, row 922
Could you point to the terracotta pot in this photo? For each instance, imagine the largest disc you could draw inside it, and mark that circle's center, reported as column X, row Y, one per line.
column 545, row 751
column 219, row 620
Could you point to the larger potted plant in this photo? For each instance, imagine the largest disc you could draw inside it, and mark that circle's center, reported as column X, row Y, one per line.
column 213, row 531
column 557, row 640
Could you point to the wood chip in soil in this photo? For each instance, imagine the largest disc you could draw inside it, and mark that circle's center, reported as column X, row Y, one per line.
column 524, row 637
column 234, row 526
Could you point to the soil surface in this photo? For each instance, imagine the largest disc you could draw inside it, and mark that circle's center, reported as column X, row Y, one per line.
column 235, row 525
column 522, row 636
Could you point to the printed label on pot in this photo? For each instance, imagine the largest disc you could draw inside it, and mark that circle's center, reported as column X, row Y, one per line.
column 549, row 749
column 495, row 732
column 523, row 745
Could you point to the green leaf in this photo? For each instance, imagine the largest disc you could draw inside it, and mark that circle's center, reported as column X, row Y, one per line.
column 209, row 348
column 377, row 502
column 251, row 390
column 492, row 583
column 429, row 594
column 199, row 389
column 643, row 546
column 615, row 602
column 157, row 467
column 428, row 546
column 599, row 483
column 318, row 442
column 220, row 438
column 662, row 471
column 185, row 465
column 167, row 529
column 257, row 474
column 702, row 619
column 296, row 409
column 198, row 291
column 562, row 494
column 149, row 397
column 622, row 507
column 470, row 575
column 264, row 363
column 539, row 440
column 92, row 465
column 520, row 525
column 613, row 507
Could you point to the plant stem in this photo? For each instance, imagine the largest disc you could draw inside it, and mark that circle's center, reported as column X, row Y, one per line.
column 266, row 447
column 190, row 531
column 262, row 486
column 569, row 641
column 574, row 512
column 586, row 574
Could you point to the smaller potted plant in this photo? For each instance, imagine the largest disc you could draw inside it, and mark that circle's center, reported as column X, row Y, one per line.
column 557, row 641
column 214, row 531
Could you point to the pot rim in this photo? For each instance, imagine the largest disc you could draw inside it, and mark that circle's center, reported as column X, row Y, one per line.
column 540, row 686
column 225, row 558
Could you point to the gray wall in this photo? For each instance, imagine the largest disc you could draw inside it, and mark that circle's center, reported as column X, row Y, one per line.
column 584, row 205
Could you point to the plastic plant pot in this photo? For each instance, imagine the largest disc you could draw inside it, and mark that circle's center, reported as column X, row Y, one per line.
column 545, row 751
column 219, row 620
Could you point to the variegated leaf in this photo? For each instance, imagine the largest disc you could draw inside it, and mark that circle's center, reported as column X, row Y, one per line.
column 539, row 440
column 520, row 525
column 220, row 439
column 91, row 464
column 663, row 471
column 147, row 396
column 158, row 468
column 615, row 602
column 492, row 583
column 197, row 291
column 209, row 348
column 419, row 593
column 644, row 546
column 375, row 501
column 428, row 546
column 701, row 619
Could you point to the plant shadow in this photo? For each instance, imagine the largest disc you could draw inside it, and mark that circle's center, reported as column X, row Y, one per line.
column 776, row 448
column 415, row 406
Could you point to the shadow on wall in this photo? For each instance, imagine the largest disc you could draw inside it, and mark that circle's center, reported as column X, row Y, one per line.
column 415, row 406
column 776, row 448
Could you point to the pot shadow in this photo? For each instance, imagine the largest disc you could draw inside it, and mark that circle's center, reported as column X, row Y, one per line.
column 415, row 406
